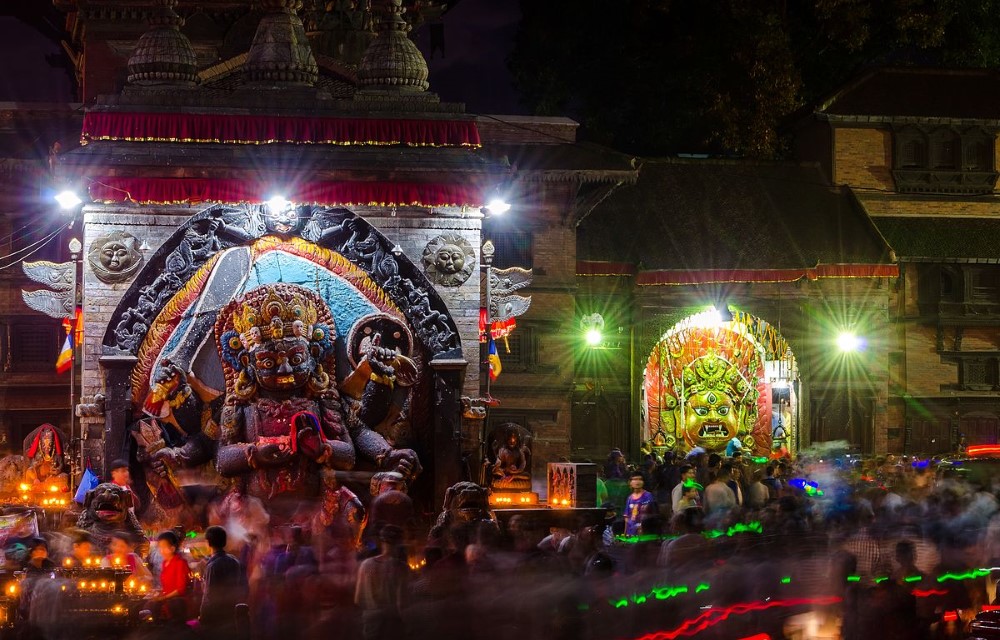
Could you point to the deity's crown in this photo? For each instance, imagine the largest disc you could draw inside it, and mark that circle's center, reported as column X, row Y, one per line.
column 714, row 373
column 278, row 314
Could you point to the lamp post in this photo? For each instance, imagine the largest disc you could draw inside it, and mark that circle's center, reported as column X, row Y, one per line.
column 75, row 248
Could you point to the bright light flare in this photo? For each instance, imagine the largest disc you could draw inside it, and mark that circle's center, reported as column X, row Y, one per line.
column 68, row 199
column 593, row 337
column 498, row 206
column 278, row 203
column 849, row 342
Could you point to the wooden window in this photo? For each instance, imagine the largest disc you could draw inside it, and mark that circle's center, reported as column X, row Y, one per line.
column 986, row 284
column 944, row 150
column 976, row 155
column 513, row 249
column 914, row 154
column 34, row 344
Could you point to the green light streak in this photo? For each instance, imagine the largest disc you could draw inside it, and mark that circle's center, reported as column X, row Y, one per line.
column 970, row 575
column 881, row 579
column 854, row 578
column 912, row 579
column 701, row 587
column 786, row 580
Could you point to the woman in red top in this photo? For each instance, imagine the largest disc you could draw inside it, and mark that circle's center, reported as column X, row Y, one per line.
column 174, row 577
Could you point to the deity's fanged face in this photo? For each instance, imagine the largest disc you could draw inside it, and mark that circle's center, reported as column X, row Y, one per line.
column 710, row 420
column 450, row 259
column 282, row 365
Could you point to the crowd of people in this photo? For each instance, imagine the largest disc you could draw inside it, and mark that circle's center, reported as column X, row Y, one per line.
column 706, row 544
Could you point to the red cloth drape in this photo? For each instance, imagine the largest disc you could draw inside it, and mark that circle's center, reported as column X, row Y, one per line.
column 263, row 129
column 195, row 190
column 710, row 276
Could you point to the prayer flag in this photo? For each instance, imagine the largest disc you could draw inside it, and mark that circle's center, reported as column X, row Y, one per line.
column 65, row 360
column 494, row 359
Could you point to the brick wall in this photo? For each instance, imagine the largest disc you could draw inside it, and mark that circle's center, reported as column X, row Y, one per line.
column 862, row 158
column 925, row 373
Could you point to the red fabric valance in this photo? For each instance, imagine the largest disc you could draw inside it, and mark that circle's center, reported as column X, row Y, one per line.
column 264, row 129
column 712, row 276
column 196, row 190
column 597, row 268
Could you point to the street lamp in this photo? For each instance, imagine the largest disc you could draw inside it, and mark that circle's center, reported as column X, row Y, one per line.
column 68, row 199
column 497, row 207
column 848, row 342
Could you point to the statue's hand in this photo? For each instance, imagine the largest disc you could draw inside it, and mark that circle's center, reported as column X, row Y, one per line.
column 161, row 462
column 381, row 360
column 404, row 461
column 310, row 443
column 272, row 455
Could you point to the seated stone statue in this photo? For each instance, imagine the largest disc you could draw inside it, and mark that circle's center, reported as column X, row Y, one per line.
column 512, row 467
column 44, row 450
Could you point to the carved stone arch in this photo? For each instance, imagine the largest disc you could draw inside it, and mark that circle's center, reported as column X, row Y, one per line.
column 221, row 227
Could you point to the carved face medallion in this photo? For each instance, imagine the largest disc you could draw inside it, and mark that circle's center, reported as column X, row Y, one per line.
column 710, row 420
column 282, row 365
column 115, row 257
column 449, row 260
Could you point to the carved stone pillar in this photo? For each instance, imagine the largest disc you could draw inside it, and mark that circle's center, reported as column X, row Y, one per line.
column 117, row 407
column 447, row 424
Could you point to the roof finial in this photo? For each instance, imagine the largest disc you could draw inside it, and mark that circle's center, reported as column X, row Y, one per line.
column 163, row 55
column 392, row 61
column 280, row 53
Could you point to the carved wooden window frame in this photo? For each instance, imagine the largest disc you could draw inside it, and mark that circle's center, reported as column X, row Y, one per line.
column 944, row 159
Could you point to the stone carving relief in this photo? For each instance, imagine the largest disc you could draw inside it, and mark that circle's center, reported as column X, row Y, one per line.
column 223, row 227
column 115, row 257
column 449, row 260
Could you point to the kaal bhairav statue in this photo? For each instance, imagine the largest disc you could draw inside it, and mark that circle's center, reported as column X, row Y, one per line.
column 284, row 420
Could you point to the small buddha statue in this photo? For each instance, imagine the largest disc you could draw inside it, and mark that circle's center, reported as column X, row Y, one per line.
column 512, row 469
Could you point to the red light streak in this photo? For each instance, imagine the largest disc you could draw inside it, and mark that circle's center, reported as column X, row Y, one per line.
column 950, row 616
column 759, row 636
column 991, row 607
column 983, row 450
column 922, row 593
column 714, row 616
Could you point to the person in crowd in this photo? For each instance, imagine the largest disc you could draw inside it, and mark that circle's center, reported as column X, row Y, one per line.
column 735, row 482
column 121, row 476
column 225, row 586
column 690, row 498
column 719, row 497
column 175, row 576
column 122, row 555
column 81, row 549
column 687, row 475
column 615, row 467
column 758, row 494
column 38, row 557
column 640, row 503
column 381, row 585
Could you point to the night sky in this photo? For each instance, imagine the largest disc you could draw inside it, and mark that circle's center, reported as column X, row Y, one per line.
column 479, row 35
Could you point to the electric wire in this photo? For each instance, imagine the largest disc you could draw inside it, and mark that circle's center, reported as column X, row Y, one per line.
column 40, row 245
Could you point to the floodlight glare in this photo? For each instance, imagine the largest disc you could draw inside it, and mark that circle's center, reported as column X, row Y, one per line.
column 68, row 199
column 498, row 206
column 848, row 342
column 278, row 203
column 593, row 337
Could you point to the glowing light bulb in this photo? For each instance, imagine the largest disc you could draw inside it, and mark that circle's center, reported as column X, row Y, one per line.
column 593, row 337
column 498, row 206
column 849, row 343
column 67, row 199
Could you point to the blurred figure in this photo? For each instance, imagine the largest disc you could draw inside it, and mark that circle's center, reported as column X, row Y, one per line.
column 225, row 586
column 380, row 588
column 123, row 556
column 719, row 498
column 174, row 577
column 639, row 504
column 615, row 466
column 758, row 492
column 687, row 473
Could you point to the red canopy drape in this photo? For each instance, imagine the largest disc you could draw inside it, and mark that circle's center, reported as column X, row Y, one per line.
column 195, row 190
column 264, row 129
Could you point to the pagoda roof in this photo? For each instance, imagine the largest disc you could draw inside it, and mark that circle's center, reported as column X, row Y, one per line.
column 917, row 92
column 726, row 216
column 941, row 238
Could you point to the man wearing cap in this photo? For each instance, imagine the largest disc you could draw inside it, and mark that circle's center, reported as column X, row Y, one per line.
column 380, row 588
column 121, row 476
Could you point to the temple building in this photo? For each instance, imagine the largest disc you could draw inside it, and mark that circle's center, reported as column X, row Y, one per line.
column 280, row 212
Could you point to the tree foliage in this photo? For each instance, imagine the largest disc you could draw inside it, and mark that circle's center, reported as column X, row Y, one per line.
column 657, row 77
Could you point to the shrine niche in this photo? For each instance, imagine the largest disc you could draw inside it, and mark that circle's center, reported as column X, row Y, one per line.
column 709, row 381
column 115, row 257
column 43, row 449
column 274, row 351
column 449, row 260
